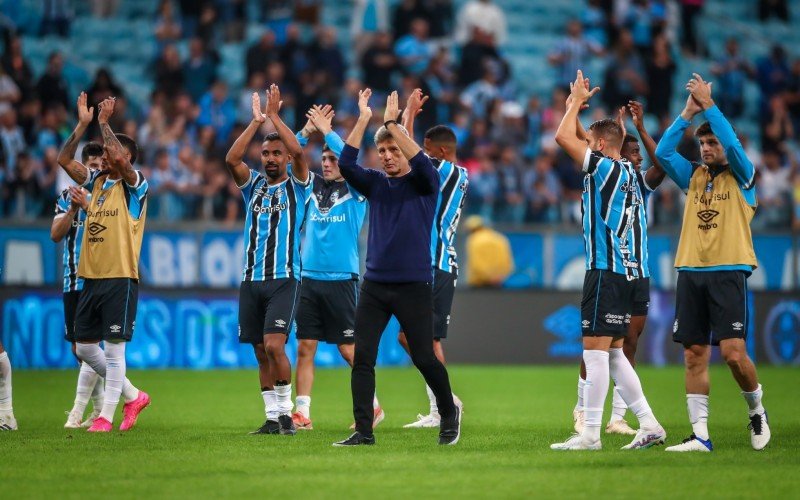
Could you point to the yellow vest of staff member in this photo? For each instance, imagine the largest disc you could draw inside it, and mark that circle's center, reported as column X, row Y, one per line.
column 716, row 223
column 112, row 239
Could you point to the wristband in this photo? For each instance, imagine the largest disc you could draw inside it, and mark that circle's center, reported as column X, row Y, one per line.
column 386, row 123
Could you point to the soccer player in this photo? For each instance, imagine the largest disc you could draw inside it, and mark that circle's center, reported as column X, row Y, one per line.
column 714, row 259
column 650, row 180
column 68, row 225
column 613, row 213
column 7, row 420
column 109, row 264
column 440, row 145
column 274, row 213
column 328, row 289
column 398, row 279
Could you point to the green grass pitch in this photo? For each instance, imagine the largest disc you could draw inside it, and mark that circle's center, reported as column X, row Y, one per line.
column 193, row 442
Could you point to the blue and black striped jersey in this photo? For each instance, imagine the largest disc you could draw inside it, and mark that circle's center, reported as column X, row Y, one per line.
column 613, row 206
column 274, row 215
column 72, row 243
column 453, row 183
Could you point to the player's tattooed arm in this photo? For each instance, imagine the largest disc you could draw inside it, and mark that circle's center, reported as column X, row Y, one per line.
column 115, row 153
column 655, row 174
column 233, row 159
column 356, row 136
column 413, row 107
column 66, row 157
column 567, row 133
column 299, row 161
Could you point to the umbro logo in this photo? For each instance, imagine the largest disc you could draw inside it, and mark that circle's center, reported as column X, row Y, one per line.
column 737, row 326
column 115, row 328
column 348, row 333
column 675, row 327
column 279, row 322
column 707, row 215
column 96, row 228
column 585, row 323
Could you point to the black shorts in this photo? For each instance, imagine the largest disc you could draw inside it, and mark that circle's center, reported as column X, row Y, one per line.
column 444, row 288
column 607, row 304
column 710, row 306
column 327, row 311
column 106, row 310
column 266, row 307
column 70, row 308
column 641, row 297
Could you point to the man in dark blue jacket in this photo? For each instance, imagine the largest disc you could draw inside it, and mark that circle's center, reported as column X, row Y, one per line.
column 402, row 201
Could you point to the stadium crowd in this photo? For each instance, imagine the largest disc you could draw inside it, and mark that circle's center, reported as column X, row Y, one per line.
column 506, row 138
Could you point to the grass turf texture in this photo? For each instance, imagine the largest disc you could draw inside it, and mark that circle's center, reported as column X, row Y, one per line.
column 193, row 441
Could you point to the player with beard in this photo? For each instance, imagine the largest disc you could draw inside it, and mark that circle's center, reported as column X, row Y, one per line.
column 650, row 179
column 68, row 225
column 274, row 214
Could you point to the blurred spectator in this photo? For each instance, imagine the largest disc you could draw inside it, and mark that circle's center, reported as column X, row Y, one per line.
column 572, row 53
column 439, row 81
column 162, row 201
column 792, row 95
column 207, row 24
column 104, row 9
column 777, row 128
column 9, row 91
column 645, row 19
column 295, row 55
column 484, row 16
column 625, row 76
column 414, row 50
column 52, row 86
column 167, row 27
column 489, row 258
column 169, row 73
column 307, row 11
column 369, row 19
column 218, row 111
column 12, row 141
column 404, row 14
column 533, row 127
column 232, row 14
column 379, row 63
column 261, row 54
column 48, row 136
column 509, row 126
column 732, row 72
column 770, row 8
column 475, row 55
column 27, row 193
column 595, row 23
column 190, row 16
column 690, row 10
column 660, row 75
column 772, row 75
column 774, row 192
column 257, row 83
column 542, row 191
column 103, row 87
column 441, row 19
column 17, row 67
column 512, row 199
column 198, row 71
column 479, row 96
column 328, row 58
column 56, row 18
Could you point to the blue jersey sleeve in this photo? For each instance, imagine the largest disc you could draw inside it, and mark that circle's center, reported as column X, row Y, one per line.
column 137, row 194
column 741, row 166
column 302, row 140
column 62, row 202
column 90, row 179
column 247, row 187
column 678, row 168
column 334, row 142
column 595, row 164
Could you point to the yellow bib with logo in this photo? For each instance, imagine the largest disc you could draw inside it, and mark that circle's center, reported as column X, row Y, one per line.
column 112, row 238
column 716, row 223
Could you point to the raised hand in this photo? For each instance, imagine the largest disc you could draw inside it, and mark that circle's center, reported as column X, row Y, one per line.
column 258, row 116
column 700, row 90
column 363, row 103
column 85, row 114
column 579, row 89
column 77, row 198
column 274, row 102
column 321, row 117
column 415, row 102
column 106, row 110
column 637, row 113
column 691, row 109
column 621, row 118
column 392, row 111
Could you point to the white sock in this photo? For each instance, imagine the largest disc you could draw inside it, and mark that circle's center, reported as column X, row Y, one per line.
column 375, row 403
column 87, row 381
column 754, row 400
column 432, row 399
column 581, row 388
column 5, row 384
column 698, row 414
column 283, row 394
column 98, row 393
column 115, row 378
column 92, row 355
column 595, row 391
column 303, row 405
column 618, row 406
column 270, row 404
column 630, row 388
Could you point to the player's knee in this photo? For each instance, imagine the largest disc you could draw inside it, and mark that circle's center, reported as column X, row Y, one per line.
column 305, row 349
column 694, row 361
column 734, row 357
column 275, row 348
column 261, row 354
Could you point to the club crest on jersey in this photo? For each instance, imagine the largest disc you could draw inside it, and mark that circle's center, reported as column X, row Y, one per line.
column 100, row 200
column 709, row 187
column 462, row 187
